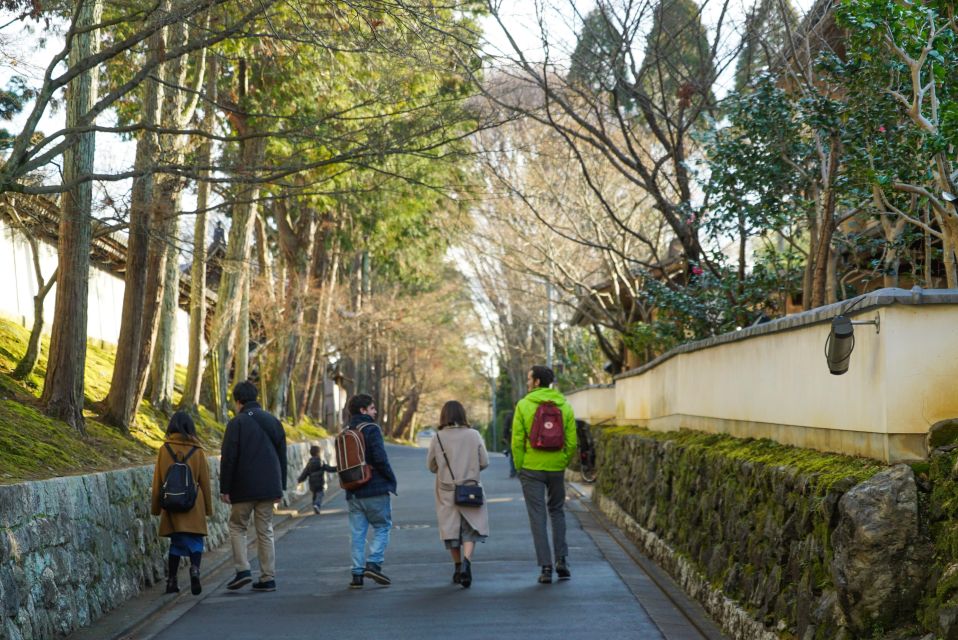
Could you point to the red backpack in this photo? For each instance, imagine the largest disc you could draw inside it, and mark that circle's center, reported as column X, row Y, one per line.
column 548, row 429
column 351, row 458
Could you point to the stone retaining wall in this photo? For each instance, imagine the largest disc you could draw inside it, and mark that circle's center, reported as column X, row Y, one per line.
column 73, row 548
column 768, row 549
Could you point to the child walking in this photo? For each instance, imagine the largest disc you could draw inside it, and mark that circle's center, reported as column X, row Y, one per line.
column 185, row 529
column 316, row 470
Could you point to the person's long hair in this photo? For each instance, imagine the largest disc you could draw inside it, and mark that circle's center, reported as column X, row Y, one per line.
column 453, row 413
column 182, row 422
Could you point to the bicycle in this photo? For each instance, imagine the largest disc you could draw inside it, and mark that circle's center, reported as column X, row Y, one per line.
column 586, row 451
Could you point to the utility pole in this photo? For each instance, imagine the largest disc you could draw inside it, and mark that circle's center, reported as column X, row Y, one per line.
column 492, row 422
column 549, row 325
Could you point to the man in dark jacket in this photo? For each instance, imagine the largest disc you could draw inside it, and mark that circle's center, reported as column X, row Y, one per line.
column 316, row 470
column 370, row 503
column 252, row 480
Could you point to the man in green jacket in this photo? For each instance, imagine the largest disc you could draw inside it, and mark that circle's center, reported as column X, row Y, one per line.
column 542, row 471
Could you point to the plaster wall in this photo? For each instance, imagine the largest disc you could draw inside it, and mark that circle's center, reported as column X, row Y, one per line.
column 18, row 285
column 594, row 405
column 775, row 383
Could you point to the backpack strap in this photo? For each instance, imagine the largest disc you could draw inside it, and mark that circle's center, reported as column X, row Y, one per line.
column 262, row 428
column 175, row 457
column 173, row 453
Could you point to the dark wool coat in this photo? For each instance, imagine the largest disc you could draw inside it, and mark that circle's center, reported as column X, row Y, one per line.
column 194, row 520
column 253, row 463
column 383, row 479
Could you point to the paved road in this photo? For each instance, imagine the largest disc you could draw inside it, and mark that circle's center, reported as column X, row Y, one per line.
column 505, row 601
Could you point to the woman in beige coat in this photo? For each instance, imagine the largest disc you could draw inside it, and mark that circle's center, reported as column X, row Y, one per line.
column 459, row 527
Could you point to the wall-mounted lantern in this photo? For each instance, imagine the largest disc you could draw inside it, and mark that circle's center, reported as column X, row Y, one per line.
column 841, row 342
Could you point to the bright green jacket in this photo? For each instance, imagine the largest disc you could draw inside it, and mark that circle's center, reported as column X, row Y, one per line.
column 523, row 455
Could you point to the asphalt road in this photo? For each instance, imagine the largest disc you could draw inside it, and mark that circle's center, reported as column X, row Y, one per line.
column 504, row 602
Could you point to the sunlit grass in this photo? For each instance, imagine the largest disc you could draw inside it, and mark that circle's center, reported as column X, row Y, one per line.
column 33, row 445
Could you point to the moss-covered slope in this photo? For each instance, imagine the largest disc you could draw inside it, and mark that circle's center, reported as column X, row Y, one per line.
column 34, row 446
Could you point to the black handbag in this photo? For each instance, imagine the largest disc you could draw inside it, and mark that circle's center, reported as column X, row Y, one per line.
column 465, row 495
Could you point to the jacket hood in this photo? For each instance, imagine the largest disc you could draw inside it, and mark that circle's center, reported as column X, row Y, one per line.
column 179, row 438
column 361, row 418
column 545, row 394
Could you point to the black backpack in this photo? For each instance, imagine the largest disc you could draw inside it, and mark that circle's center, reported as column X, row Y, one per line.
column 178, row 493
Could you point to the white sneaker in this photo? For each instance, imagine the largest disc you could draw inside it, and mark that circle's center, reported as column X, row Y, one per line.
column 315, row 509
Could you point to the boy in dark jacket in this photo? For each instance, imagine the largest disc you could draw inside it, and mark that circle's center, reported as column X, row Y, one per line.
column 369, row 505
column 316, row 470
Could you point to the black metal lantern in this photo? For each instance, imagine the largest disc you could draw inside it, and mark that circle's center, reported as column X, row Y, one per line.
column 841, row 342
column 839, row 346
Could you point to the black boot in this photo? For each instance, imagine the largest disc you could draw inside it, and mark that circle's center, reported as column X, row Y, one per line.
column 456, row 575
column 195, row 587
column 546, row 576
column 172, row 566
column 465, row 577
column 562, row 569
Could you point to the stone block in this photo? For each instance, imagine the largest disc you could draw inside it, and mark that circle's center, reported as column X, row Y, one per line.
column 880, row 557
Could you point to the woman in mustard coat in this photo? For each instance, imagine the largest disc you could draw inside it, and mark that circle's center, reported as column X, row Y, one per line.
column 185, row 529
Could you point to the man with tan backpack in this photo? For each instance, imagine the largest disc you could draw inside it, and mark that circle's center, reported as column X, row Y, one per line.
column 367, row 477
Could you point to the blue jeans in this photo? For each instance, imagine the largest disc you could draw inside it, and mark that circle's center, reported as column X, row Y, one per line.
column 363, row 512
column 318, row 498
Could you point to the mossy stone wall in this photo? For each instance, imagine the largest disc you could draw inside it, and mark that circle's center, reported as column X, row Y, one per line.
column 754, row 518
column 73, row 548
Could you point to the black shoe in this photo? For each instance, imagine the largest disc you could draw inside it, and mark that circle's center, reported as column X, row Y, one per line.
column 465, row 576
column 375, row 572
column 357, row 582
column 562, row 569
column 264, row 585
column 241, row 579
column 546, row 576
column 195, row 587
column 171, row 586
column 457, row 574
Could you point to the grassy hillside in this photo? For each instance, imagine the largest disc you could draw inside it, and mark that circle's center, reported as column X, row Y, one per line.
column 34, row 446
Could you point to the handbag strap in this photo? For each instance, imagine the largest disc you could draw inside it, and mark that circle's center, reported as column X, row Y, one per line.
column 448, row 466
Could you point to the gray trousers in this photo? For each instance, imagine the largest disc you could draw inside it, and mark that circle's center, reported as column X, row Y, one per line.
column 544, row 490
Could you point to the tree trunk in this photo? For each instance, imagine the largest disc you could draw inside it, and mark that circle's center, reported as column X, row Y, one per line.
column 316, row 376
column 926, row 271
column 235, row 271
column 831, row 277
column 241, row 349
column 66, row 366
column 826, row 229
column 28, row 362
column 950, row 250
column 122, row 398
column 166, row 199
column 164, row 352
column 405, row 423
column 194, row 370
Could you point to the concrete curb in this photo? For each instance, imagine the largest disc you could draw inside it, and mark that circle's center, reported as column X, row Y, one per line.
column 670, row 607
